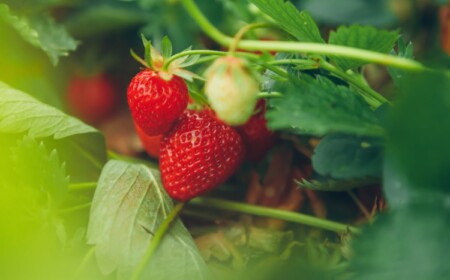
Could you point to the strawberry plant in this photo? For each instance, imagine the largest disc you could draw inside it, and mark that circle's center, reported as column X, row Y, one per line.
column 320, row 153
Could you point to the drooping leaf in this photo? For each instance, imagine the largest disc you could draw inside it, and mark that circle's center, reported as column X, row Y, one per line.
column 36, row 167
column 42, row 32
column 300, row 24
column 327, row 184
column 362, row 37
column 20, row 112
column 128, row 207
column 408, row 243
column 318, row 106
column 344, row 156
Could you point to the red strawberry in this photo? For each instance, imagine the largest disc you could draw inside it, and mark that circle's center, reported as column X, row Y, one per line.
column 92, row 98
column 197, row 154
column 156, row 102
column 151, row 144
column 258, row 139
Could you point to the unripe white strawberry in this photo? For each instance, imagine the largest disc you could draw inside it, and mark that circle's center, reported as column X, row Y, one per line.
column 231, row 89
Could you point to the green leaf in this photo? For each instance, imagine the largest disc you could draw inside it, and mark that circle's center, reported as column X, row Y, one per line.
column 42, row 32
column 166, row 47
column 344, row 156
column 318, row 106
column 409, row 243
column 35, row 167
column 362, row 37
column 327, row 184
column 128, row 207
column 81, row 146
column 405, row 51
column 419, row 132
column 300, row 24
column 20, row 113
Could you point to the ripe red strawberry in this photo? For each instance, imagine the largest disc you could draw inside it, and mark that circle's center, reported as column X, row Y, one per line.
column 258, row 139
column 92, row 98
column 197, row 154
column 151, row 144
column 156, row 102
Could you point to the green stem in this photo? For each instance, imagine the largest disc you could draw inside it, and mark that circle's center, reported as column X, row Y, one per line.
column 75, row 208
column 309, row 48
column 372, row 97
column 82, row 186
column 83, row 263
column 156, row 240
column 241, row 34
column 266, row 94
column 273, row 213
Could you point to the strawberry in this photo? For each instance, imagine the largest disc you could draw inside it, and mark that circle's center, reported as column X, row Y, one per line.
column 151, row 144
column 156, row 100
column 257, row 138
column 197, row 154
column 92, row 98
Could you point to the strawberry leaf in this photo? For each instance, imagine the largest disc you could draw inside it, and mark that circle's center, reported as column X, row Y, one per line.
column 128, row 207
column 300, row 24
column 42, row 32
column 166, row 47
column 28, row 158
column 84, row 145
column 20, row 112
column 318, row 107
column 363, row 37
column 344, row 156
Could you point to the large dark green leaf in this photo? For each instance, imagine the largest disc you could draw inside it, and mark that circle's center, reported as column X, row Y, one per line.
column 128, row 207
column 347, row 156
column 407, row 243
column 419, row 132
column 42, row 32
column 318, row 106
column 362, row 37
column 300, row 24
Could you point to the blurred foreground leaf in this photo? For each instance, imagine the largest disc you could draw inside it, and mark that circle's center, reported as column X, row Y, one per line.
column 128, row 207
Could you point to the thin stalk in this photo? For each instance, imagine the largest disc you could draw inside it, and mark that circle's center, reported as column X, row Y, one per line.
column 156, row 240
column 75, row 208
column 82, row 186
column 308, row 48
column 273, row 213
column 87, row 257
column 368, row 93
column 361, row 206
column 241, row 34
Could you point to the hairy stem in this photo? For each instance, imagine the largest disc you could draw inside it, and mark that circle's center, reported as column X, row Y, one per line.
column 308, row 48
column 273, row 213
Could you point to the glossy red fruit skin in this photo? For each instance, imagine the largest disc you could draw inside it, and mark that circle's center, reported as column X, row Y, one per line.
column 257, row 137
column 92, row 98
column 151, row 144
column 199, row 153
column 156, row 103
